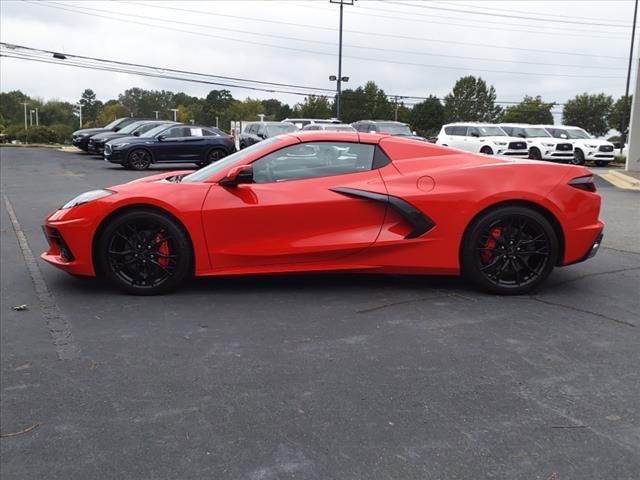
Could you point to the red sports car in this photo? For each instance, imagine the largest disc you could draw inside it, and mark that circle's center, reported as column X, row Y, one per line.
column 334, row 201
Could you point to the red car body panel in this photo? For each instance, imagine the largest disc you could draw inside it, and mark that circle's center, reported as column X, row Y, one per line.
column 304, row 225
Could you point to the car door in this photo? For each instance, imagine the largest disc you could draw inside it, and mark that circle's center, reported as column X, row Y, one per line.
column 472, row 141
column 170, row 146
column 292, row 213
column 457, row 137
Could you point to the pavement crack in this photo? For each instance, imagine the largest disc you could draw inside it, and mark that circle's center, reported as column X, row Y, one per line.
column 620, row 250
column 404, row 302
column 595, row 274
column 582, row 310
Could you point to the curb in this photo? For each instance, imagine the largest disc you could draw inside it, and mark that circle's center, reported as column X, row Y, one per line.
column 621, row 180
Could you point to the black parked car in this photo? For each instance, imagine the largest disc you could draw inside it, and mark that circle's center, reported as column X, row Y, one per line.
column 170, row 144
column 135, row 129
column 386, row 126
column 257, row 131
column 80, row 138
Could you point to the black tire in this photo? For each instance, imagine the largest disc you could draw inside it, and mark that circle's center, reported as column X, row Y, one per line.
column 139, row 159
column 144, row 252
column 578, row 157
column 601, row 163
column 534, row 154
column 509, row 250
column 212, row 156
column 486, row 150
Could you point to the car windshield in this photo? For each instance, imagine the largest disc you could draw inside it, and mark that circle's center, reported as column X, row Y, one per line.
column 155, row 131
column 577, row 134
column 394, row 128
column 210, row 170
column 132, row 127
column 274, row 130
column 491, row 132
column 536, row 132
column 114, row 123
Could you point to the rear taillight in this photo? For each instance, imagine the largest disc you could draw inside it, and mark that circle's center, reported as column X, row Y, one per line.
column 585, row 183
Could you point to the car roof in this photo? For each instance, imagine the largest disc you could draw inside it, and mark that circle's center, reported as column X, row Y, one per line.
column 380, row 121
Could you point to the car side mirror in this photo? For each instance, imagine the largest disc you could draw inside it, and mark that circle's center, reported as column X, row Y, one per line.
column 521, row 135
column 563, row 135
column 136, row 134
column 475, row 134
column 237, row 176
column 161, row 137
column 115, row 129
column 261, row 135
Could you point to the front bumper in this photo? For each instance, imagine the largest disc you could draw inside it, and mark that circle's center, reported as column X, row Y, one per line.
column 69, row 248
column 81, row 142
column 96, row 148
column 556, row 156
column 114, row 156
column 514, row 153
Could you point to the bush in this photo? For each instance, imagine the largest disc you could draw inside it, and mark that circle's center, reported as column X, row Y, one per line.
column 39, row 134
column 63, row 132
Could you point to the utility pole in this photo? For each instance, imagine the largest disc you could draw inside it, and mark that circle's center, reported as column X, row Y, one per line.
column 396, row 110
column 625, row 110
column 217, row 126
column 37, row 121
column 25, row 115
column 175, row 114
column 31, row 118
column 156, row 112
column 80, row 107
column 339, row 78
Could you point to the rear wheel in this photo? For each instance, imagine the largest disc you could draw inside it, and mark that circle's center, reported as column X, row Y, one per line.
column 212, row 156
column 578, row 157
column 144, row 252
column 509, row 250
column 139, row 159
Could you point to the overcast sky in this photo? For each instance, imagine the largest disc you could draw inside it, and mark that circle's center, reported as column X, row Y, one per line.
column 433, row 37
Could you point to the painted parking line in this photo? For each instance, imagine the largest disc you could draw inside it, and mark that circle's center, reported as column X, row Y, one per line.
column 57, row 324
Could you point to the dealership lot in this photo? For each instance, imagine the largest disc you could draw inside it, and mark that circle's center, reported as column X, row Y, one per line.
column 332, row 376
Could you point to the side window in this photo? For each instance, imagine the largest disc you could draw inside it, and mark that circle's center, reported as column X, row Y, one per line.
column 209, row 133
column 196, row 132
column 508, row 131
column 473, row 132
column 146, row 127
column 251, row 129
column 313, row 160
column 176, row 132
column 459, row 131
column 261, row 130
column 448, row 130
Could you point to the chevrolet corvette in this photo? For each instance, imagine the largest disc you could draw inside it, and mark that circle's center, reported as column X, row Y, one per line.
column 334, row 202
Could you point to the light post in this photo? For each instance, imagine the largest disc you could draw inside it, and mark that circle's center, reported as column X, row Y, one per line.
column 339, row 79
column 25, row 115
column 625, row 110
column 80, row 113
column 175, row 113
column 156, row 112
column 31, row 117
column 261, row 117
column 37, row 121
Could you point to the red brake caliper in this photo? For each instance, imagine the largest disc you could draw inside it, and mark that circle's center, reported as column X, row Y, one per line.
column 491, row 242
column 164, row 250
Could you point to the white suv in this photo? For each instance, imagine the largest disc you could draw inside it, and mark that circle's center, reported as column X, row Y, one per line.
column 542, row 146
column 482, row 138
column 585, row 147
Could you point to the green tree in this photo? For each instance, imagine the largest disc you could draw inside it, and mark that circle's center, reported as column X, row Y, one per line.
column 90, row 106
column 57, row 112
column 246, row 110
column 618, row 119
column 216, row 104
column 111, row 111
column 427, row 116
column 529, row 110
column 365, row 103
column 589, row 112
column 472, row 101
column 11, row 107
column 276, row 110
column 314, row 107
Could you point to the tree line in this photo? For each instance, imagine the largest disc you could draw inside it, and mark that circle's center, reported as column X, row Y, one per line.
column 471, row 100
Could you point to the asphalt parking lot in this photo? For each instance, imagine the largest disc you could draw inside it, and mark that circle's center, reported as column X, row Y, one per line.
column 314, row 377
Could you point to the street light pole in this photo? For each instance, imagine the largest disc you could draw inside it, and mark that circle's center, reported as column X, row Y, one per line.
column 175, row 113
column 625, row 110
column 37, row 121
column 31, row 118
column 25, row 115
column 339, row 78
column 80, row 112
column 156, row 112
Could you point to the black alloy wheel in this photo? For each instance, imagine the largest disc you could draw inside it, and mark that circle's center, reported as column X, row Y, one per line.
column 510, row 250
column 212, row 156
column 578, row 157
column 139, row 159
column 144, row 252
column 486, row 150
column 534, row 154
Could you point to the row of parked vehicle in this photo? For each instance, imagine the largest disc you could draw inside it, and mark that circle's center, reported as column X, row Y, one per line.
column 561, row 143
column 137, row 143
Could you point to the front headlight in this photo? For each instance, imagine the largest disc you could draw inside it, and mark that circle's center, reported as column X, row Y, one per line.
column 502, row 144
column 87, row 197
column 549, row 144
column 120, row 145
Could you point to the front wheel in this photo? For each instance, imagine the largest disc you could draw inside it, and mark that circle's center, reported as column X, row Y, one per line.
column 486, row 150
column 534, row 154
column 144, row 252
column 212, row 156
column 139, row 159
column 601, row 163
column 578, row 158
column 509, row 250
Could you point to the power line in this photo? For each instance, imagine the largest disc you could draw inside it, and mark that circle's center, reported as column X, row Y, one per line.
column 262, row 44
column 504, row 15
column 382, row 34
